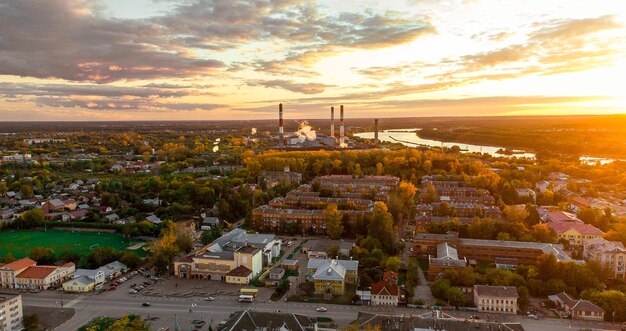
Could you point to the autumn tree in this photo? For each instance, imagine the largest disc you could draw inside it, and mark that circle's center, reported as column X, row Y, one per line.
column 381, row 227
column 42, row 255
column 334, row 226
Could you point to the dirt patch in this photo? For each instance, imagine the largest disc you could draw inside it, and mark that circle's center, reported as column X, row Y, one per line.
column 50, row 318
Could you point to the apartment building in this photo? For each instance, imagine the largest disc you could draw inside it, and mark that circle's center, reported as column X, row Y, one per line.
column 575, row 233
column 608, row 253
column 425, row 244
column 11, row 313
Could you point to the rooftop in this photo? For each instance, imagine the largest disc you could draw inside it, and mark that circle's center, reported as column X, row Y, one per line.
column 496, row 291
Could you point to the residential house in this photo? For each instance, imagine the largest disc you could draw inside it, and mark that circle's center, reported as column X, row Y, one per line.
column 110, row 218
column 52, row 206
column 331, row 276
column 277, row 273
column 209, row 223
column 575, row 233
column 154, row 219
column 85, row 280
column 561, row 216
column 577, row 203
column 578, row 309
column 239, row 276
column 499, row 299
column 386, row 291
column 290, row 264
column 611, row 254
column 11, row 313
column 70, row 204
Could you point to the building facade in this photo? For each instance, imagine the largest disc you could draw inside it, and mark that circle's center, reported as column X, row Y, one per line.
column 611, row 254
column 331, row 276
column 26, row 274
column 499, row 299
column 11, row 314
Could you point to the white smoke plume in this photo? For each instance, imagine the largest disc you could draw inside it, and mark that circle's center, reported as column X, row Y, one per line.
column 305, row 132
column 216, row 148
column 253, row 131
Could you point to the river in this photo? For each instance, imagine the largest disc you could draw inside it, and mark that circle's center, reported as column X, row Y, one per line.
column 408, row 137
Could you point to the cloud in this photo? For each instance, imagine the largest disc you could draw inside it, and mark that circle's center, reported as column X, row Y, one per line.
column 62, row 39
column 305, row 88
column 26, row 89
column 118, row 104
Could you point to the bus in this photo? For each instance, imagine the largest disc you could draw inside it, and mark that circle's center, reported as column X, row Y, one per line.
column 249, row 291
column 246, row 298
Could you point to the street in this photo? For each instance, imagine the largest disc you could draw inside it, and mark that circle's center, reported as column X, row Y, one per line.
column 170, row 310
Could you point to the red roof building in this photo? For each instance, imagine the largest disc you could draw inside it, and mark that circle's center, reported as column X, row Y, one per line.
column 385, row 293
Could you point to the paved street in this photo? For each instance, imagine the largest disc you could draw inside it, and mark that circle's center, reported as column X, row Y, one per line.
column 170, row 309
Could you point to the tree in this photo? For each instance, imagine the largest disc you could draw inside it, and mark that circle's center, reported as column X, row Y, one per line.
column 381, row 226
column 515, row 214
column 392, row 263
column 33, row 218
column 523, row 298
column 332, row 251
column 334, row 226
column 42, row 255
column 9, row 258
column 131, row 259
column 430, row 194
column 31, row 322
column 543, row 233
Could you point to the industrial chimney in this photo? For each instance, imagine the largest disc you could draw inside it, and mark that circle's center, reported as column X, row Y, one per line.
column 281, row 131
column 332, row 122
column 376, row 132
column 341, row 128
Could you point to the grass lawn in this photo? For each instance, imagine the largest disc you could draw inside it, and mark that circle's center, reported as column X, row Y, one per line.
column 20, row 243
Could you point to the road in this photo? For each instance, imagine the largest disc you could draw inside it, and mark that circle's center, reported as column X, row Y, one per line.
column 170, row 310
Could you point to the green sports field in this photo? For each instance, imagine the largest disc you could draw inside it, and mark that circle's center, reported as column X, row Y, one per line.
column 20, row 243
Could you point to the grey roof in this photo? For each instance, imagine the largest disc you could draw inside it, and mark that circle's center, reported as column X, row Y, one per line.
column 445, row 251
column 86, row 273
column 211, row 220
column 496, row 291
column 154, row 219
column 326, row 269
column 410, row 323
column 112, row 268
column 83, row 280
column 238, row 237
column 255, row 320
column 330, row 271
column 348, row 264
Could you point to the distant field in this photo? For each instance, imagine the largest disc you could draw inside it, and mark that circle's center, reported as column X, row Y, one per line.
column 20, row 243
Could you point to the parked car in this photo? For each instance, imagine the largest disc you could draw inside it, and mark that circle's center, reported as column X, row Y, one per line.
column 132, row 291
column 321, row 309
column 146, row 304
column 209, row 299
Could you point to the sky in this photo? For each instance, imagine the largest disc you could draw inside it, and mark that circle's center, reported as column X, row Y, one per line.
column 141, row 60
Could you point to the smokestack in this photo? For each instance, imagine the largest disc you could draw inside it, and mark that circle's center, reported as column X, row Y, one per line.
column 281, row 131
column 332, row 122
column 376, row 132
column 341, row 128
